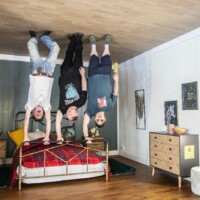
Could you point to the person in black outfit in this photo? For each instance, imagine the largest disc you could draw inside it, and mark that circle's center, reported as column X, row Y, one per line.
column 72, row 83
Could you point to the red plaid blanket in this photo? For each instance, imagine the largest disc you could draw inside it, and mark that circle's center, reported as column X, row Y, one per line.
column 56, row 155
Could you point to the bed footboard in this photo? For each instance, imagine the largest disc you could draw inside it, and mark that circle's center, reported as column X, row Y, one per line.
column 86, row 151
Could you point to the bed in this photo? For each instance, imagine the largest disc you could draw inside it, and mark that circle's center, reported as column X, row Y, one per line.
column 38, row 163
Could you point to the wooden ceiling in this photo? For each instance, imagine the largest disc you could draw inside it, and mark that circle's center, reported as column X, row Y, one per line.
column 135, row 25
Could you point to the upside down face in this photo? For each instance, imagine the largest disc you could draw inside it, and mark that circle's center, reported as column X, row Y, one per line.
column 72, row 114
column 38, row 112
column 100, row 119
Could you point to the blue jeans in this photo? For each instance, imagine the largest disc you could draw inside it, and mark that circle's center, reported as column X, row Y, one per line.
column 103, row 67
column 47, row 65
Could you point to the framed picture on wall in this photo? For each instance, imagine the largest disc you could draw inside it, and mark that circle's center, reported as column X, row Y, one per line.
column 170, row 112
column 189, row 96
column 140, row 109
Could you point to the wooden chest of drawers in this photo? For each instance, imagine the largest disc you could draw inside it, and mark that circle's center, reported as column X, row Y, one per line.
column 99, row 145
column 2, row 150
column 176, row 154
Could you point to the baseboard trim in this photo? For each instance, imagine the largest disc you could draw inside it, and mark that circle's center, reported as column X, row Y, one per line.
column 8, row 161
column 113, row 153
column 135, row 158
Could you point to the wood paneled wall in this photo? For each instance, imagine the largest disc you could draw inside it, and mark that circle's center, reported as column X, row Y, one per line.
column 161, row 73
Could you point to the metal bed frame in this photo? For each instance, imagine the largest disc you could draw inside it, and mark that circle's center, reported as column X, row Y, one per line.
column 87, row 149
column 22, row 113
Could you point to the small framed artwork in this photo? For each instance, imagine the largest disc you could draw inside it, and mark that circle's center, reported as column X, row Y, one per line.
column 170, row 112
column 189, row 96
column 140, row 109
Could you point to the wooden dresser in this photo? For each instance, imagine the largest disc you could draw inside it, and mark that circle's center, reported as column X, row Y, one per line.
column 99, row 145
column 174, row 153
column 3, row 150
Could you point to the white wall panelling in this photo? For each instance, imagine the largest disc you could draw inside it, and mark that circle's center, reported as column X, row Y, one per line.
column 160, row 72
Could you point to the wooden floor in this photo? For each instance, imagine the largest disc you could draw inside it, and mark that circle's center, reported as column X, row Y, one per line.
column 140, row 185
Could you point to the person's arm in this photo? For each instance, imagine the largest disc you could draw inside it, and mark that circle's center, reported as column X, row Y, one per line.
column 48, row 125
column 116, row 84
column 26, row 123
column 83, row 94
column 59, row 117
column 86, row 121
column 83, row 79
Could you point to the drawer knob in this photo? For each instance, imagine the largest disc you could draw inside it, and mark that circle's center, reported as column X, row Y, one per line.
column 170, row 140
column 170, row 158
column 155, row 145
column 155, row 137
column 170, row 149
column 170, row 167
column 155, row 163
column 155, row 154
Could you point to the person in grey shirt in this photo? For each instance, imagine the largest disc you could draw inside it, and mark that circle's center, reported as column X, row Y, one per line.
column 101, row 96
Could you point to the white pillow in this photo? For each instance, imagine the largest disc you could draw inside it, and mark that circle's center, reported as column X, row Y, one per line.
column 35, row 135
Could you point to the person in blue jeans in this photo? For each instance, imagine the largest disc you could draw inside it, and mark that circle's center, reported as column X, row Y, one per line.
column 41, row 82
column 101, row 96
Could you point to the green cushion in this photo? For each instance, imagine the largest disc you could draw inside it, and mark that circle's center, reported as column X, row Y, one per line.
column 68, row 133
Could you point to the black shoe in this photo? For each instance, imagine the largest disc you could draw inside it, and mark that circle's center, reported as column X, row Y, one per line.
column 32, row 33
column 71, row 37
column 46, row 33
column 79, row 36
column 72, row 42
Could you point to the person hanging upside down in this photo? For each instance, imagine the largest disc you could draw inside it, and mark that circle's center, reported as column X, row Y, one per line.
column 72, row 83
column 101, row 97
column 41, row 83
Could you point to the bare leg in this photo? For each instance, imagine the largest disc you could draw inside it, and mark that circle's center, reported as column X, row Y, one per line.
column 106, row 50
column 94, row 50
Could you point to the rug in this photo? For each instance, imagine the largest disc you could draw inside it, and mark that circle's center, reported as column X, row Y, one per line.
column 117, row 168
column 4, row 176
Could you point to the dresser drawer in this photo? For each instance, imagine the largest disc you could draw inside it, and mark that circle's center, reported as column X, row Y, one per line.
column 156, row 138
column 2, row 148
column 96, row 145
column 171, row 140
column 156, row 163
column 175, row 169
column 2, row 144
column 156, row 154
column 167, row 139
column 171, row 149
column 174, row 159
column 156, row 146
column 2, row 153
